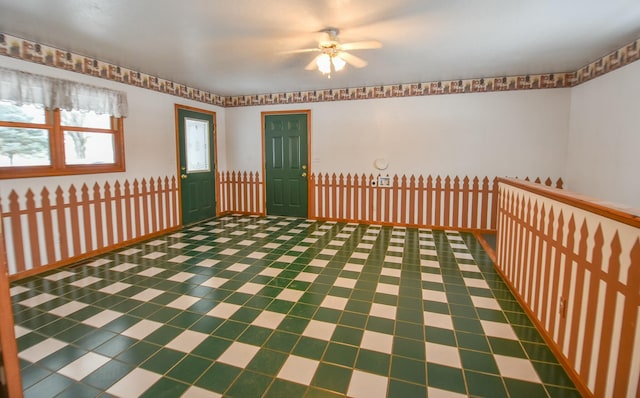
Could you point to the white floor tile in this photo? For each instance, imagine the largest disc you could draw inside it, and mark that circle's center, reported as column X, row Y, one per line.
column 153, row 271
column 181, row 277
column 154, row 255
column 208, row 263
column 443, row 355
column 41, row 350
column 286, row 259
column 437, row 320
column 438, row 393
column 298, row 370
column 393, row 259
column 203, row 248
column 183, row 302
column 123, row 267
column 59, row 275
column 84, row 282
column 229, row 252
column 238, row 267
column 115, row 288
column 268, row 319
column 353, row 267
column 434, row 295
column 197, row 392
column 290, row 295
column 375, row 341
column 84, row 366
column 469, row 267
column 367, row 385
column 98, row 262
column 517, row 368
column 486, row 302
column 134, row 384
column 337, row 303
column 273, row 272
column 179, row 259
column 147, row 294
column 214, row 282
column 306, row 277
column 498, row 329
column 316, row 262
column 37, row 300
column 186, row 341
column 429, row 277
column 257, row 255
column 142, row 329
column 130, row 252
column 68, row 308
column 473, row 282
column 319, row 330
column 102, row 318
column 345, row 282
column 224, row 310
column 383, row 311
column 387, row 288
column 20, row 331
column 238, row 354
column 250, row 288
column 391, row 272
column 17, row 290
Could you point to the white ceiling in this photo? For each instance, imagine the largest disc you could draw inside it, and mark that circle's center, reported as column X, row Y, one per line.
column 231, row 47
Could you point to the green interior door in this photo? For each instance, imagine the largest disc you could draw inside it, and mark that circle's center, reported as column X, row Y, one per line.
column 286, row 164
column 197, row 172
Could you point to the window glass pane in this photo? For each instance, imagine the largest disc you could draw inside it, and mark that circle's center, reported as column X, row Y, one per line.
column 197, row 145
column 85, row 119
column 10, row 112
column 88, row 148
column 24, row 147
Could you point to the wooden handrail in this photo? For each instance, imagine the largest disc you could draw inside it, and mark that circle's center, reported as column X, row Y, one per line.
column 625, row 216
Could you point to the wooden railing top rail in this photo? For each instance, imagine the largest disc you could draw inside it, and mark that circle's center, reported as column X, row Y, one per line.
column 624, row 215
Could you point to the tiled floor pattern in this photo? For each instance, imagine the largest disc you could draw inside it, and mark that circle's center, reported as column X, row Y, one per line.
column 283, row 307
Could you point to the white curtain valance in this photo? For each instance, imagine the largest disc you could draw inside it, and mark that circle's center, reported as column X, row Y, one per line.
column 27, row 88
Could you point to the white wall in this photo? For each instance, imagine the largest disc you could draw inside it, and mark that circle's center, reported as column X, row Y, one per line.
column 519, row 133
column 149, row 130
column 604, row 139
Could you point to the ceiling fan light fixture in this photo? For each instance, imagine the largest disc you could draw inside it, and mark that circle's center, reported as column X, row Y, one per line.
column 324, row 63
column 338, row 63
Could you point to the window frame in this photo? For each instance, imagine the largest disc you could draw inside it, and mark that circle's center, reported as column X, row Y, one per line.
column 58, row 166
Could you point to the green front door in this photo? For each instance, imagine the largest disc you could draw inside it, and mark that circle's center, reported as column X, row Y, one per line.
column 197, row 172
column 286, row 164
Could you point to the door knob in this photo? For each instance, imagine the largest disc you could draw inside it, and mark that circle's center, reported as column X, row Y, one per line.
column 183, row 176
column 304, row 174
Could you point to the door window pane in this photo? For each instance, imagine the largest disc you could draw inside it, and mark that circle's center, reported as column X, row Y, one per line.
column 10, row 112
column 88, row 148
column 197, row 145
column 85, row 119
column 24, row 147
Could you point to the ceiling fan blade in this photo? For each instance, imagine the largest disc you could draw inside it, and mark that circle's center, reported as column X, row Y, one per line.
column 311, row 65
column 303, row 50
column 362, row 45
column 353, row 60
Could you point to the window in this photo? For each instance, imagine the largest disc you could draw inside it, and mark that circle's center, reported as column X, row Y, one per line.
column 56, row 127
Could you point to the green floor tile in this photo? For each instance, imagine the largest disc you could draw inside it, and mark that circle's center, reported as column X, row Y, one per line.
column 79, row 390
column 231, row 329
column 402, row 389
column 282, row 388
column 115, row 346
column 267, row 361
column 440, row 336
column 539, row 352
column 340, row 354
column 507, row 347
column 519, row 388
column 62, row 357
column 478, row 361
column 373, row 362
column 553, row 374
column 282, row 341
column 33, row 374
column 48, row 387
column 561, row 392
column 165, row 388
column 485, row 385
column 332, row 377
column 311, row 348
column 473, row 341
column 409, row 370
column 218, row 378
column 163, row 360
column 347, row 335
column 108, row 374
column 249, row 384
column 189, row 369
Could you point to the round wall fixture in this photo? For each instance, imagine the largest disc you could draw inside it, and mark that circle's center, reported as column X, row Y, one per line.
column 381, row 164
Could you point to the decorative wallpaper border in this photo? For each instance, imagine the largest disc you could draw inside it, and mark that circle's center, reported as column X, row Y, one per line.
column 46, row 55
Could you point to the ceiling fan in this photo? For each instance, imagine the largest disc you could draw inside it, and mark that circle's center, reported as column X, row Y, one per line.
column 333, row 54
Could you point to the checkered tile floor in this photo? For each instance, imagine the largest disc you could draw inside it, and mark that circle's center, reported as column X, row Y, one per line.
column 282, row 307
